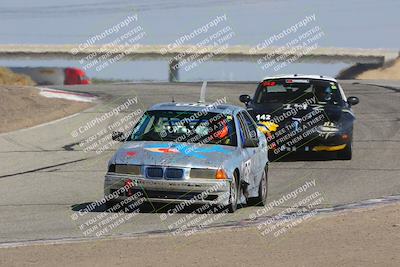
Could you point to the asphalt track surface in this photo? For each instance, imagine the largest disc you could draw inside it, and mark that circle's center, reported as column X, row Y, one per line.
column 45, row 178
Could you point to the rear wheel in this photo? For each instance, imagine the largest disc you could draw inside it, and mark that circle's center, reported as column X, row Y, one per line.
column 261, row 199
column 111, row 205
column 346, row 153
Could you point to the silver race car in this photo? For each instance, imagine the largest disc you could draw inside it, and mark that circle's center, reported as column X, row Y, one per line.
column 191, row 152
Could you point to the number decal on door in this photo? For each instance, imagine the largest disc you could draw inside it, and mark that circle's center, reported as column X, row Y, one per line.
column 246, row 171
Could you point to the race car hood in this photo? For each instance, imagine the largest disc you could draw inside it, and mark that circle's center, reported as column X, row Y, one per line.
column 174, row 154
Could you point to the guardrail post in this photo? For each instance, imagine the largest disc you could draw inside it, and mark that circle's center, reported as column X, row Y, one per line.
column 173, row 71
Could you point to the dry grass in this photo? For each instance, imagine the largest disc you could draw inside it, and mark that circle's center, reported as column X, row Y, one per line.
column 7, row 77
column 391, row 72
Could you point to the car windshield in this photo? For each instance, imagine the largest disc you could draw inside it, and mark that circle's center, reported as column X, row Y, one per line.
column 185, row 126
column 298, row 91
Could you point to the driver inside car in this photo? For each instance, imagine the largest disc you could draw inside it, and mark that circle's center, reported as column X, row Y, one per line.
column 323, row 94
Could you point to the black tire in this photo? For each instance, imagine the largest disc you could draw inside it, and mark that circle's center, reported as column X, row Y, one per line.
column 272, row 156
column 110, row 204
column 347, row 153
column 234, row 194
column 261, row 199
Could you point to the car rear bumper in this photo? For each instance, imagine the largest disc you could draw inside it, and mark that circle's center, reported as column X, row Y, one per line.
column 194, row 191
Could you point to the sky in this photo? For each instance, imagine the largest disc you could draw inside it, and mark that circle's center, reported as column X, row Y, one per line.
column 352, row 23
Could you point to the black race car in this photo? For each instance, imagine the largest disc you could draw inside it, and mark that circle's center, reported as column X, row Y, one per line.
column 303, row 113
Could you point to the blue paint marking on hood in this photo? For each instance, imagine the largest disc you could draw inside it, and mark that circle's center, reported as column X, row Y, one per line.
column 175, row 154
column 188, row 150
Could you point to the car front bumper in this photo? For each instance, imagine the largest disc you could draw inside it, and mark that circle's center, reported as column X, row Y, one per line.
column 194, row 191
column 316, row 142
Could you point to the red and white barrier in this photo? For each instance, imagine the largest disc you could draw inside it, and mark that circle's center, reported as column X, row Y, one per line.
column 74, row 96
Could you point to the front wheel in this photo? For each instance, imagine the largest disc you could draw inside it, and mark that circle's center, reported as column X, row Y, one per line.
column 346, row 153
column 232, row 207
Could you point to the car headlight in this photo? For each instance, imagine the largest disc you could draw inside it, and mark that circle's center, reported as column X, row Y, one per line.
column 125, row 168
column 202, row 173
column 219, row 174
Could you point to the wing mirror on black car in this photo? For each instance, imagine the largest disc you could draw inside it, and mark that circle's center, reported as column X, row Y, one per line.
column 353, row 100
column 118, row 136
column 251, row 142
column 245, row 98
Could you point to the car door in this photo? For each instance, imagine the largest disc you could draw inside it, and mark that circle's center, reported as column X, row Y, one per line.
column 251, row 163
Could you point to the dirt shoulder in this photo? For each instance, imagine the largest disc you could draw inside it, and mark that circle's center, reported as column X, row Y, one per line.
column 391, row 72
column 22, row 107
column 368, row 237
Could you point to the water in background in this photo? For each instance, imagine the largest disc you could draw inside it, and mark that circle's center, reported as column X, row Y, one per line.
column 346, row 23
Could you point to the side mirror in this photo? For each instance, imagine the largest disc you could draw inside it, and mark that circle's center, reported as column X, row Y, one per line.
column 245, row 98
column 251, row 142
column 118, row 136
column 353, row 100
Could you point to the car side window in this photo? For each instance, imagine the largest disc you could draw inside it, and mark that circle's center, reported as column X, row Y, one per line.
column 242, row 128
column 248, row 132
column 250, row 125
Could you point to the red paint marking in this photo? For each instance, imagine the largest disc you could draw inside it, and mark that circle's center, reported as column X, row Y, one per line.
column 269, row 83
column 131, row 154
column 128, row 185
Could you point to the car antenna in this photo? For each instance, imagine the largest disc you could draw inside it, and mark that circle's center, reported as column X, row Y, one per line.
column 203, row 92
